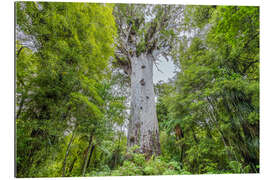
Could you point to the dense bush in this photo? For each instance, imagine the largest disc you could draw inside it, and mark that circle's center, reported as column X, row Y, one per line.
column 136, row 164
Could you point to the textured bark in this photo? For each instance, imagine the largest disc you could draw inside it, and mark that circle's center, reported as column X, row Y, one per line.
column 143, row 126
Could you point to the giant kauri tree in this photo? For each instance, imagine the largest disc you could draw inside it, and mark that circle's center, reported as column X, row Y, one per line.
column 146, row 33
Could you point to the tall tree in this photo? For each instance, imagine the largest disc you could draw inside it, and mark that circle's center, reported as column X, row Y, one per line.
column 145, row 34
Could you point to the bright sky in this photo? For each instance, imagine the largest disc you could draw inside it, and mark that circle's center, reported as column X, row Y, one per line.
column 168, row 70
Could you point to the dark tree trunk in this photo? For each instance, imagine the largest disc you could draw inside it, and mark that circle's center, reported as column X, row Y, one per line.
column 72, row 165
column 86, row 156
column 66, row 155
column 91, row 152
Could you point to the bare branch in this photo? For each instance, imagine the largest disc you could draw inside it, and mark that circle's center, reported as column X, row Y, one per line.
column 19, row 51
column 124, row 64
column 128, row 34
column 154, row 61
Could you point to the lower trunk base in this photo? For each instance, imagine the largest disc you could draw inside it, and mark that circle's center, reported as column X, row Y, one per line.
column 150, row 144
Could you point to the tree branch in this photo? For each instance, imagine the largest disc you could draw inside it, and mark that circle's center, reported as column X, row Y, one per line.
column 248, row 65
column 19, row 51
column 125, row 65
column 154, row 61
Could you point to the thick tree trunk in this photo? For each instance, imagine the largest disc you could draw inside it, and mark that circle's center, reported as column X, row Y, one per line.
column 143, row 126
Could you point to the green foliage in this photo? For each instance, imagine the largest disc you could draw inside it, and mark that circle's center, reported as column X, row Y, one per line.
column 137, row 165
column 237, row 167
column 216, row 104
column 198, row 16
column 58, row 79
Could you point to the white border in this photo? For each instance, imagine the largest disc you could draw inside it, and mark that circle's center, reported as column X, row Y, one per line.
column 198, row 2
